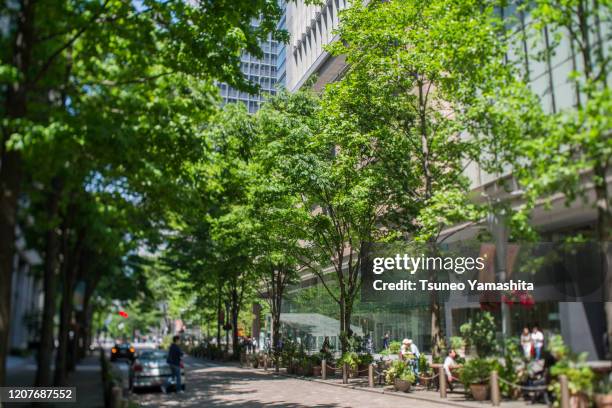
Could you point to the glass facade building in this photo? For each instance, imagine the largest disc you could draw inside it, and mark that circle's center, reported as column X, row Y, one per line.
column 258, row 71
column 281, row 57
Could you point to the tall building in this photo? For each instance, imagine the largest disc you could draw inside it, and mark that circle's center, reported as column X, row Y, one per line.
column 311, row 28
column 281, row 57
column 258, row 71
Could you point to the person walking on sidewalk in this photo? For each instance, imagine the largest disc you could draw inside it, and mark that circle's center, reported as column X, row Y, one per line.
column 174, row 361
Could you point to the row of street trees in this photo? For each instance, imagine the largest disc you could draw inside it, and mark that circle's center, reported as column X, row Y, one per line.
column 431, row 88
column 112, row 142
column 103, row 101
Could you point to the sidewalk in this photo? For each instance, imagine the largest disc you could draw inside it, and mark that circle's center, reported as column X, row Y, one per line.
column 86, row 377
column 455, row 399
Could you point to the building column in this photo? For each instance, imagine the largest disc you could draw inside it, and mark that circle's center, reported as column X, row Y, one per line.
column 499, row 230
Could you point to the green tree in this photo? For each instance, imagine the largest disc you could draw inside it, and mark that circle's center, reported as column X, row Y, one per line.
column 274, row 204
column 574, row 151
column 415, row 71
column 59, row 51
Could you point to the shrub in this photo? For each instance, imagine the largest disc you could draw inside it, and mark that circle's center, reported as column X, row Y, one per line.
column 580, row 376
column 457, row 342
column 394, row 347
column 477, row 371
column 480, row 333
column 424, row 367
column 349, row 358
column 366, row 359
column 396, row 370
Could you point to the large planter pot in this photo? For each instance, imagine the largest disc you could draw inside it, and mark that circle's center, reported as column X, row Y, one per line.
column 255, row 363
column 603, row 400
column 579, row 400
column 316, row 371
column 480, row 392
column 401, row 385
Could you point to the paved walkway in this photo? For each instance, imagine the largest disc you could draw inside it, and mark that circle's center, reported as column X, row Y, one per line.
column 211, row 385
column 86, row 377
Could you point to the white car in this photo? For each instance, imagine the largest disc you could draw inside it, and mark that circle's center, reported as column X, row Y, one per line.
column 150, row 369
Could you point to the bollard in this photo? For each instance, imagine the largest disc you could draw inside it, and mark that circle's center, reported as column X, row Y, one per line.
column 345, row 373
column 495, row 395
column 371, row 375
column 442, row 381
column 565, row 394
column 323, row 369
column 116, row 397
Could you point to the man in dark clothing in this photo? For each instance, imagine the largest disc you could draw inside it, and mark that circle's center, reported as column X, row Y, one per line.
column 174, row 361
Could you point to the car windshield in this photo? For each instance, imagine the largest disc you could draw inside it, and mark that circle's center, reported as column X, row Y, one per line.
column 153, row 355
column 124, row 346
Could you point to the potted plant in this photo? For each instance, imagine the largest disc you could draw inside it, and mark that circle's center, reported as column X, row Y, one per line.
column 351, row 359
column 580, row 381
column 458, row 344
column 400, row 376
column 425, row 372
column 603, row 393
column 404, row 381
column 364, row 361
column 475, row 376
column 580, row 376
column 316, row 361
column 479, row 332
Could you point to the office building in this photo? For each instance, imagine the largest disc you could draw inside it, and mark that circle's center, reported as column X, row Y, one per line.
column 311, row 28
column 260, row 71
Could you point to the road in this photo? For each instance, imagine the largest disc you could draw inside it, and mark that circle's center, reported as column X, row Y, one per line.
column 229, row 386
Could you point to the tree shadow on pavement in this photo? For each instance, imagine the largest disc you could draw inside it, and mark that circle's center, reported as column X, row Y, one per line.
column 227, row 387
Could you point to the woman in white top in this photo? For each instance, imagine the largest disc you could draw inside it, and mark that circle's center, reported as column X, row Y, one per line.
column 526, row 342
column 538, row 341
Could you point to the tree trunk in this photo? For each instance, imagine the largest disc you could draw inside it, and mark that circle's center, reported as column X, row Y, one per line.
column 235, row 310
column 9, row 189
column 11, row 169
column 276, row 298
column 219, row 319
column 45, row 350
column 69, row 277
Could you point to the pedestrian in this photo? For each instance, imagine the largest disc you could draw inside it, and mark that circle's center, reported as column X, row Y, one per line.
column 369, row 344
column 414, row 350
column 326, row 348
column 449, row 364
column 537, row 337
column 254, row 345
column 386, row 341
column 174, row 361
column 405, row 350
column 526, row 343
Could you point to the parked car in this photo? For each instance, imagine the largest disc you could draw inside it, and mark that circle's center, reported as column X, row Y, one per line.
column 122, row 351
column 150, row 369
